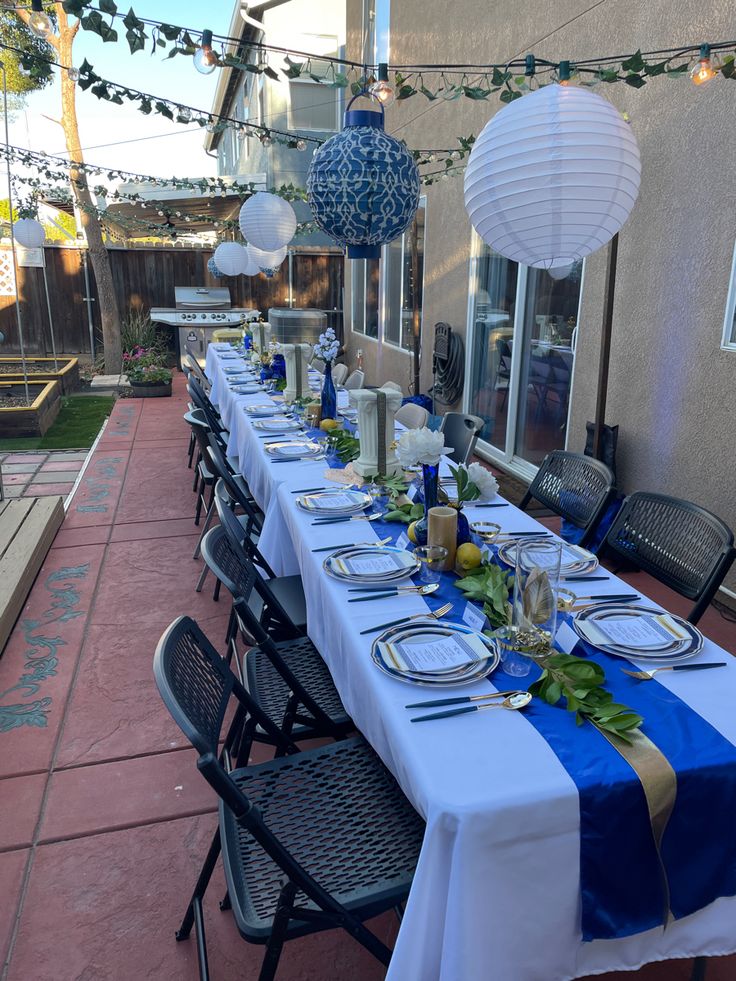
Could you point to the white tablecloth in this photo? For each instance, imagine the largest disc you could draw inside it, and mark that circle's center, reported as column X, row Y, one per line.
column 496, row 892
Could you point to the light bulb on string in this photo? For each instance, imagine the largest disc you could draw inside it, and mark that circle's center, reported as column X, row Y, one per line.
column 205, row 59
column 73, row 74
column 381, row 90
column 184, row 115
column 262, row 64
column 266, row 139
column 39, row 22
column 704, row 71
column 563, row 73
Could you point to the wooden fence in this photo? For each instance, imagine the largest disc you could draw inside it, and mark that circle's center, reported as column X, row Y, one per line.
column 146, row 278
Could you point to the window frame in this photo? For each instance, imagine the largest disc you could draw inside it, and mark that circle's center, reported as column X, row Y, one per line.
column 383, row 311
column 728, row 338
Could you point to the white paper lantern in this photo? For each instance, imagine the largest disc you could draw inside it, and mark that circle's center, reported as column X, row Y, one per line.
column 267, row 221
column 230, row 258
column 561, row 272
column 552, row 177
column 29, row 233
column 267, row 262
column 251, row 267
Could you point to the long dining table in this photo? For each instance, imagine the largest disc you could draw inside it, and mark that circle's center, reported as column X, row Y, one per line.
column 499, row 890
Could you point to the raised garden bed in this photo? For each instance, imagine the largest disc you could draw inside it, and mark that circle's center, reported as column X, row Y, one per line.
column 19, row 419
column 42, row 369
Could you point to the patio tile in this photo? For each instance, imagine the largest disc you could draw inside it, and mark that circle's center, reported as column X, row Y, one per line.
column 25, row 458
column 56, row 476
column 15, row 479
column 106, row 907
column 98, row 492
column 47, row 641
column 74, row 537
column 12, row 867
column 9, row 468
column 68, row 456
column 20, row 806
column 116, row 710
column 171, row 528
column 56, row 466
column 46, row 490
column 157, row 475
column 123, row 794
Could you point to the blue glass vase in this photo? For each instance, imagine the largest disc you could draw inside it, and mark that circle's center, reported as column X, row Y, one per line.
column 463, row 528
column 278, row 366
column 266, row 374
column 431, row 477
column 329, row 395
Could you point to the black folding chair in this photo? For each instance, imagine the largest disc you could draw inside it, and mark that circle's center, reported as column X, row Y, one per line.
column 288, row 679
column 679, row 543
column 283, row 608
column 310, row 841
column 461, row 434
column 577, row 487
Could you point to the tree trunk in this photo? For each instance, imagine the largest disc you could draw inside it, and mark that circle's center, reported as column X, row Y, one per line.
column 63, row 42
column 109, row 313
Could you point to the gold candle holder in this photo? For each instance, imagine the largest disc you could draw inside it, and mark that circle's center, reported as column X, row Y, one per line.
column 442, row 531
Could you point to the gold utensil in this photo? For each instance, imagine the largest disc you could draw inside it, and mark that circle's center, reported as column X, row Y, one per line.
column 436, row 615
column 334, row 548
column 517, row 700
column 649, row 675
column 568, row 602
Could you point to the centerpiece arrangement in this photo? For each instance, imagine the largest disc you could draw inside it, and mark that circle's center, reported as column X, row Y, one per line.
column 270, row 362
column 326, row 349
column 474, row 483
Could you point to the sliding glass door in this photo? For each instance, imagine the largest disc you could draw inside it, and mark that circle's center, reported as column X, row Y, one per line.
column 522, row 329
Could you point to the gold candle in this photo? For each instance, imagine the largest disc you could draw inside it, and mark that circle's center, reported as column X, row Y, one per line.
column 443, row 531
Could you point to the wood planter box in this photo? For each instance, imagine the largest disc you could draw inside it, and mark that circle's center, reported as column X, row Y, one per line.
column 34, row 419
column 42, row 369
column 150, row 390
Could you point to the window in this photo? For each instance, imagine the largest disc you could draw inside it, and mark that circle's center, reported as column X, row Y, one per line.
column 312, row 105
column 364, row 296
column 729, row 322
column 398, row 284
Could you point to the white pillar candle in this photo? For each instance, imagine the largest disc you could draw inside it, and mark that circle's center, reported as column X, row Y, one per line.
column 296, row 357
column 365, row 401
column 261, row 336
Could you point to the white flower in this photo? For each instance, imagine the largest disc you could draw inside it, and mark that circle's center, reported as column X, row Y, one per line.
column 327, row 346
column 255, row 358
column 423, row 446
column 483, row 480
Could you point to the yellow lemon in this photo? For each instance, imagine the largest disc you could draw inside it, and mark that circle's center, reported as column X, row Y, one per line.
column 410, row 532
column 468, row 556
column 327, row 425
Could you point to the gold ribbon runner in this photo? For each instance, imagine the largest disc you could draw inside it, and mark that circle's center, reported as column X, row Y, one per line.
column 659, row 782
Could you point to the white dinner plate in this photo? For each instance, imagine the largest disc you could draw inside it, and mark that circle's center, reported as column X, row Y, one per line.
column 263, row 409
column 423, row 632
column 294, row 450
column 280, row 425
column 575, row 560
column 370, row 564
column 334, row 502
column 678, row 650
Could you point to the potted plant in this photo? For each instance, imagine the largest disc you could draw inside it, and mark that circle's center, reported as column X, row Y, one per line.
column 148, row 375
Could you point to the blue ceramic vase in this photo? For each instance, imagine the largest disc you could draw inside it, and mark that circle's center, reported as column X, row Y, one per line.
column 329, row 395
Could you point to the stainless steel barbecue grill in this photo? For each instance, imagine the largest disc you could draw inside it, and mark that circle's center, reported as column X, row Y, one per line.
column 199, row 312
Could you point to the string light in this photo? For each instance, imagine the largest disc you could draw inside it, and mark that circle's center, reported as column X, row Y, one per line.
column 380, row 89
column 703, row 72
column 39, row 22
column 205, row 59
column 301, row 144
column 563, row 73
column 73, row 74
column 265, row 139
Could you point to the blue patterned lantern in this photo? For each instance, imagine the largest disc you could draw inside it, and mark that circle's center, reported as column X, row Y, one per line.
column 213, row 270
column 363, row 185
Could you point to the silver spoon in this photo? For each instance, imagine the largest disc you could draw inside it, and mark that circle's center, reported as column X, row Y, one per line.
column 513, row 702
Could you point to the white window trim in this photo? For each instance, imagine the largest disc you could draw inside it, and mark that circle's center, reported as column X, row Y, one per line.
column 728, row 340
column 383, row 298
column 293, row 125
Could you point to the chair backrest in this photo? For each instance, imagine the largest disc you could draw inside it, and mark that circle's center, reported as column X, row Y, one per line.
column 394, row 385
column 461, row 434
column 339, row 373
column 355, row 379
column 238, row 534
column 191, row 366
column 575, row 486
column 202, row 401
column 238, row 576
column 222, row 470
column 412, row 416
column 196, row 686
column 680, row 543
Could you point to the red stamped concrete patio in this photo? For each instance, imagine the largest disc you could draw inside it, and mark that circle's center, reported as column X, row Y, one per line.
column 104, row 820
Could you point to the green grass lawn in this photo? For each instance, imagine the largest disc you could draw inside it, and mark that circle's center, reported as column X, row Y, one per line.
column 76, row 426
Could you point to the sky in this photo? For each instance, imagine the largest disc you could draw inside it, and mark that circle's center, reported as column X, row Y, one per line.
column 120, row 137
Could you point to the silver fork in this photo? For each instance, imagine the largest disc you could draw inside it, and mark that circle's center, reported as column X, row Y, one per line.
column 649, row 675
column 434, row 615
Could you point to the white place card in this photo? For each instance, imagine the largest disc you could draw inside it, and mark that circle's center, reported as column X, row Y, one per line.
column 402, row 541
column 635, row 633
column 330, row 502
column 371, row 565
column 474, row 617
column 566, row 638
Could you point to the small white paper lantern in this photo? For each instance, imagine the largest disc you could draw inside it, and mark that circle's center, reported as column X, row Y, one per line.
column 251, row 267
column 561, row 272
column 267, row 221
column 29, row 233
column 230, row 258
column 267, row 262
column 552, row 177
